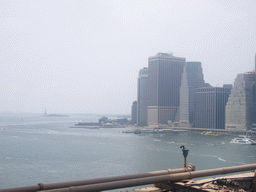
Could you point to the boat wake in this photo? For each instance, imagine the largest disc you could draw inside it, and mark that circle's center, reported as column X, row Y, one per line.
column 219, row 158
column 214, row 156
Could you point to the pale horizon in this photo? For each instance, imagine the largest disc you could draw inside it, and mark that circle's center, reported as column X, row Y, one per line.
column 85, row 56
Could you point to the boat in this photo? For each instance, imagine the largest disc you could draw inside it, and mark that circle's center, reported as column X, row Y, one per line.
column 211, row 133
column 139, row 131
column 128, row 131
column 165, row 130
column 87, row 124
column 242, row 139
column 179, row 130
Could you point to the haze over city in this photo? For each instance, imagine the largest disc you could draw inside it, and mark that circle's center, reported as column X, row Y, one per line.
column 84, row 56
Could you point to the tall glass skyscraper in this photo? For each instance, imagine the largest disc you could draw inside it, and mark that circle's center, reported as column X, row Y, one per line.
column 142, row 95
column 164, row 80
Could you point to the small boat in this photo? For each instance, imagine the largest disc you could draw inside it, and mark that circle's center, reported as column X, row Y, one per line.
column 179, row 130
column 211, row 133
column 138, row 131
column 165, row 130
column 128, row 131
column 242, row 139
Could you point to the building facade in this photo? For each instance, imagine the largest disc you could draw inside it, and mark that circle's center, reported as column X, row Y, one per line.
column 254, row 124
column 192, row 78
column 164, row 80
column 210, row 105
column 142, row 97
column 240, row 109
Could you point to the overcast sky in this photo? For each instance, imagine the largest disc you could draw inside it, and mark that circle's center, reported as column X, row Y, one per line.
column 78, row 56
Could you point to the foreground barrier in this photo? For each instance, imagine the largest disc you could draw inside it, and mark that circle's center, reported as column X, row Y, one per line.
column 97, row 181
column 154, row 179
column 117, row 182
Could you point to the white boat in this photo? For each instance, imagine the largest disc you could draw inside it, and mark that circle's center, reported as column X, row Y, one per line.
column 138, row 131
column 242, row 139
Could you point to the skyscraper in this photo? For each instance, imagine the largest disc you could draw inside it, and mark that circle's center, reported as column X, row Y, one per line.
column 255, row 86
column 192, row 78
column 240, row 109
column 164, row 80
column 210, row 105
column 134, row 113
column 142, row 94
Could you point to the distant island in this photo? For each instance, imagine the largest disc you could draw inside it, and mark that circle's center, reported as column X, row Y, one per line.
column 103, row 122
column 54, row 115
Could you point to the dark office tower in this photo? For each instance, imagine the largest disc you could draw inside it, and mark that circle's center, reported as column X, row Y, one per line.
column 192, row 78
column 134, row 113
column 210, row 105
column 240, row 108
column 142, row 113
column 164, row 79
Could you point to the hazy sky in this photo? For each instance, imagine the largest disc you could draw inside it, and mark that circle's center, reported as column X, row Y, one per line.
column 69, row 56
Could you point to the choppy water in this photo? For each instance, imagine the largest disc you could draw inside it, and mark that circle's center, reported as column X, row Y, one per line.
column 35, row 149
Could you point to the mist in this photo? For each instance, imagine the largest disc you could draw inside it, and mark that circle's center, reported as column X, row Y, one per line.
column 84, row 56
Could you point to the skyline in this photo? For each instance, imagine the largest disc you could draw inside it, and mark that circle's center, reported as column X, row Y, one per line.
column 85, row 57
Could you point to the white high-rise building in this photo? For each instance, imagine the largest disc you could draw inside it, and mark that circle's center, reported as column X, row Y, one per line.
column 240, row 108
column 142, row 97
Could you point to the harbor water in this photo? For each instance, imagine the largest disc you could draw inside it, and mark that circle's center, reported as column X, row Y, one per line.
column 36, row 149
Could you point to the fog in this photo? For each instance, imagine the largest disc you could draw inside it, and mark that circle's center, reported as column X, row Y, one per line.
column 84, row 56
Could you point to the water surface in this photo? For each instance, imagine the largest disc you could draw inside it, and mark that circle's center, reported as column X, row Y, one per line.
column 35, row 149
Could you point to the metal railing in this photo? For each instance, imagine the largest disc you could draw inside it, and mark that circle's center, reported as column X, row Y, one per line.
column 98, row 181
column 117, row 182
column 154, row 179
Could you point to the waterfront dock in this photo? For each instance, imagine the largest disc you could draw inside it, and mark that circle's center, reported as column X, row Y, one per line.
column 169, row 129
